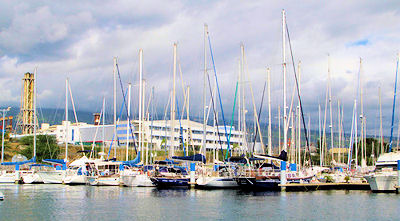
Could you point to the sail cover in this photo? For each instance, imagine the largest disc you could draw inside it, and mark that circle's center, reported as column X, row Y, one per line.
column 196, row 157
column 282, row 156
column 56, row 161
column 133, row 162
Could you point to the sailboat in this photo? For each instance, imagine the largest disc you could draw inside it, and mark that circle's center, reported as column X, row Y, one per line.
column 137, row 176
column 57, row 175
column 385, row 176
column 222, row 174
column 105, row 172
column 76, row 172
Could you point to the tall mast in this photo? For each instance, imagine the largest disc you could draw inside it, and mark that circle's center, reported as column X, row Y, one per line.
column 239, row 104
column 115, row 100
column 394, row 106
column 244, row 125
column 342, row 131
column 144, row 116
column 173, row 105
column 66, row 120
column 284, row 80
column 204, row 90
column 128, row 121
column 256, row 120
column 140, row 101
column 330, row 104
column 292, row 142
column 279, row 129
column 339, row 131
column 189, row 128
column 362, row 117
column 319, row 130
column 324, row 143
column 34, row 113
column 104, row 115
column 299, row 118
column 380, row 120
column 355, row 131
column 152, row 121
column 269, row 112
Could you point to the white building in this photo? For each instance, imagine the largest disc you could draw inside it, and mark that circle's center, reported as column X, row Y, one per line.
column 79, row 132
column 157, row 132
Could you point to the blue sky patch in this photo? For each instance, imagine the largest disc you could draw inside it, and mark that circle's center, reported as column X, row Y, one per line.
column 362, row 42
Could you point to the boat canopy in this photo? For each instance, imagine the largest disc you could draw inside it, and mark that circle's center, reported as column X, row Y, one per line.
column 79, row 162
column 196, row 157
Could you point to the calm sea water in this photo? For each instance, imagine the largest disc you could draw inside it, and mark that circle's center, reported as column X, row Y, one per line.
column 62, row 202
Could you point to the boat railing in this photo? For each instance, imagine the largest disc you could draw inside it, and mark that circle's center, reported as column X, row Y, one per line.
column 257, row 172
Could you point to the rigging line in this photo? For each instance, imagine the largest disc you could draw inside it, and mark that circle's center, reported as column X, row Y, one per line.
column 55, row 112
column 116, row 135
column 219, row 94
column 354, row 139
column 165, row 119
column 233, row 115
column 126, row 108
column 47, row 139
column 298, row 94
column 180, row 128
column 259, row 114
column 76, row 117
column 350, row 155
column 394, row 105
column 95, row 134
column 215, row 115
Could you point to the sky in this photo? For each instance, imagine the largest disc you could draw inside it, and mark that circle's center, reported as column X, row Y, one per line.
column 78, row 40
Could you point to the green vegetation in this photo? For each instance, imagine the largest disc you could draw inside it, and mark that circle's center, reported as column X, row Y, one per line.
column 46, row 147
column 328, row 179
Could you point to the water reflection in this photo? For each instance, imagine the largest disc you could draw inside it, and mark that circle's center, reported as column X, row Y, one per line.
column 59, row 202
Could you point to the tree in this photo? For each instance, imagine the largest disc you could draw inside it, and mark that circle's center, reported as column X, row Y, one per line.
column 46, row 147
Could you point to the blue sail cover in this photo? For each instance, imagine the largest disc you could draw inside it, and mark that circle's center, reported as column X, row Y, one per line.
column 56, row 161
column 133, row 162
column 33, row 160
column 39, row 165
column 196, row 157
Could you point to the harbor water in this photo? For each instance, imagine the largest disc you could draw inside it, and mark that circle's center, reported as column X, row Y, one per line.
column 62, row 202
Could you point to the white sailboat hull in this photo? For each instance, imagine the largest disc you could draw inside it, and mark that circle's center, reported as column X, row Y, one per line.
column 103, row 181
column 139, row 180
column 75, row 179
column 382, row 182
column 216, row 182
column 8, row 177
column 52, row 177
column 31, row 178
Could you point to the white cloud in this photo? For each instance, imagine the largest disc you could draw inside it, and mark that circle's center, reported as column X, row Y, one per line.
column 80, row 40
